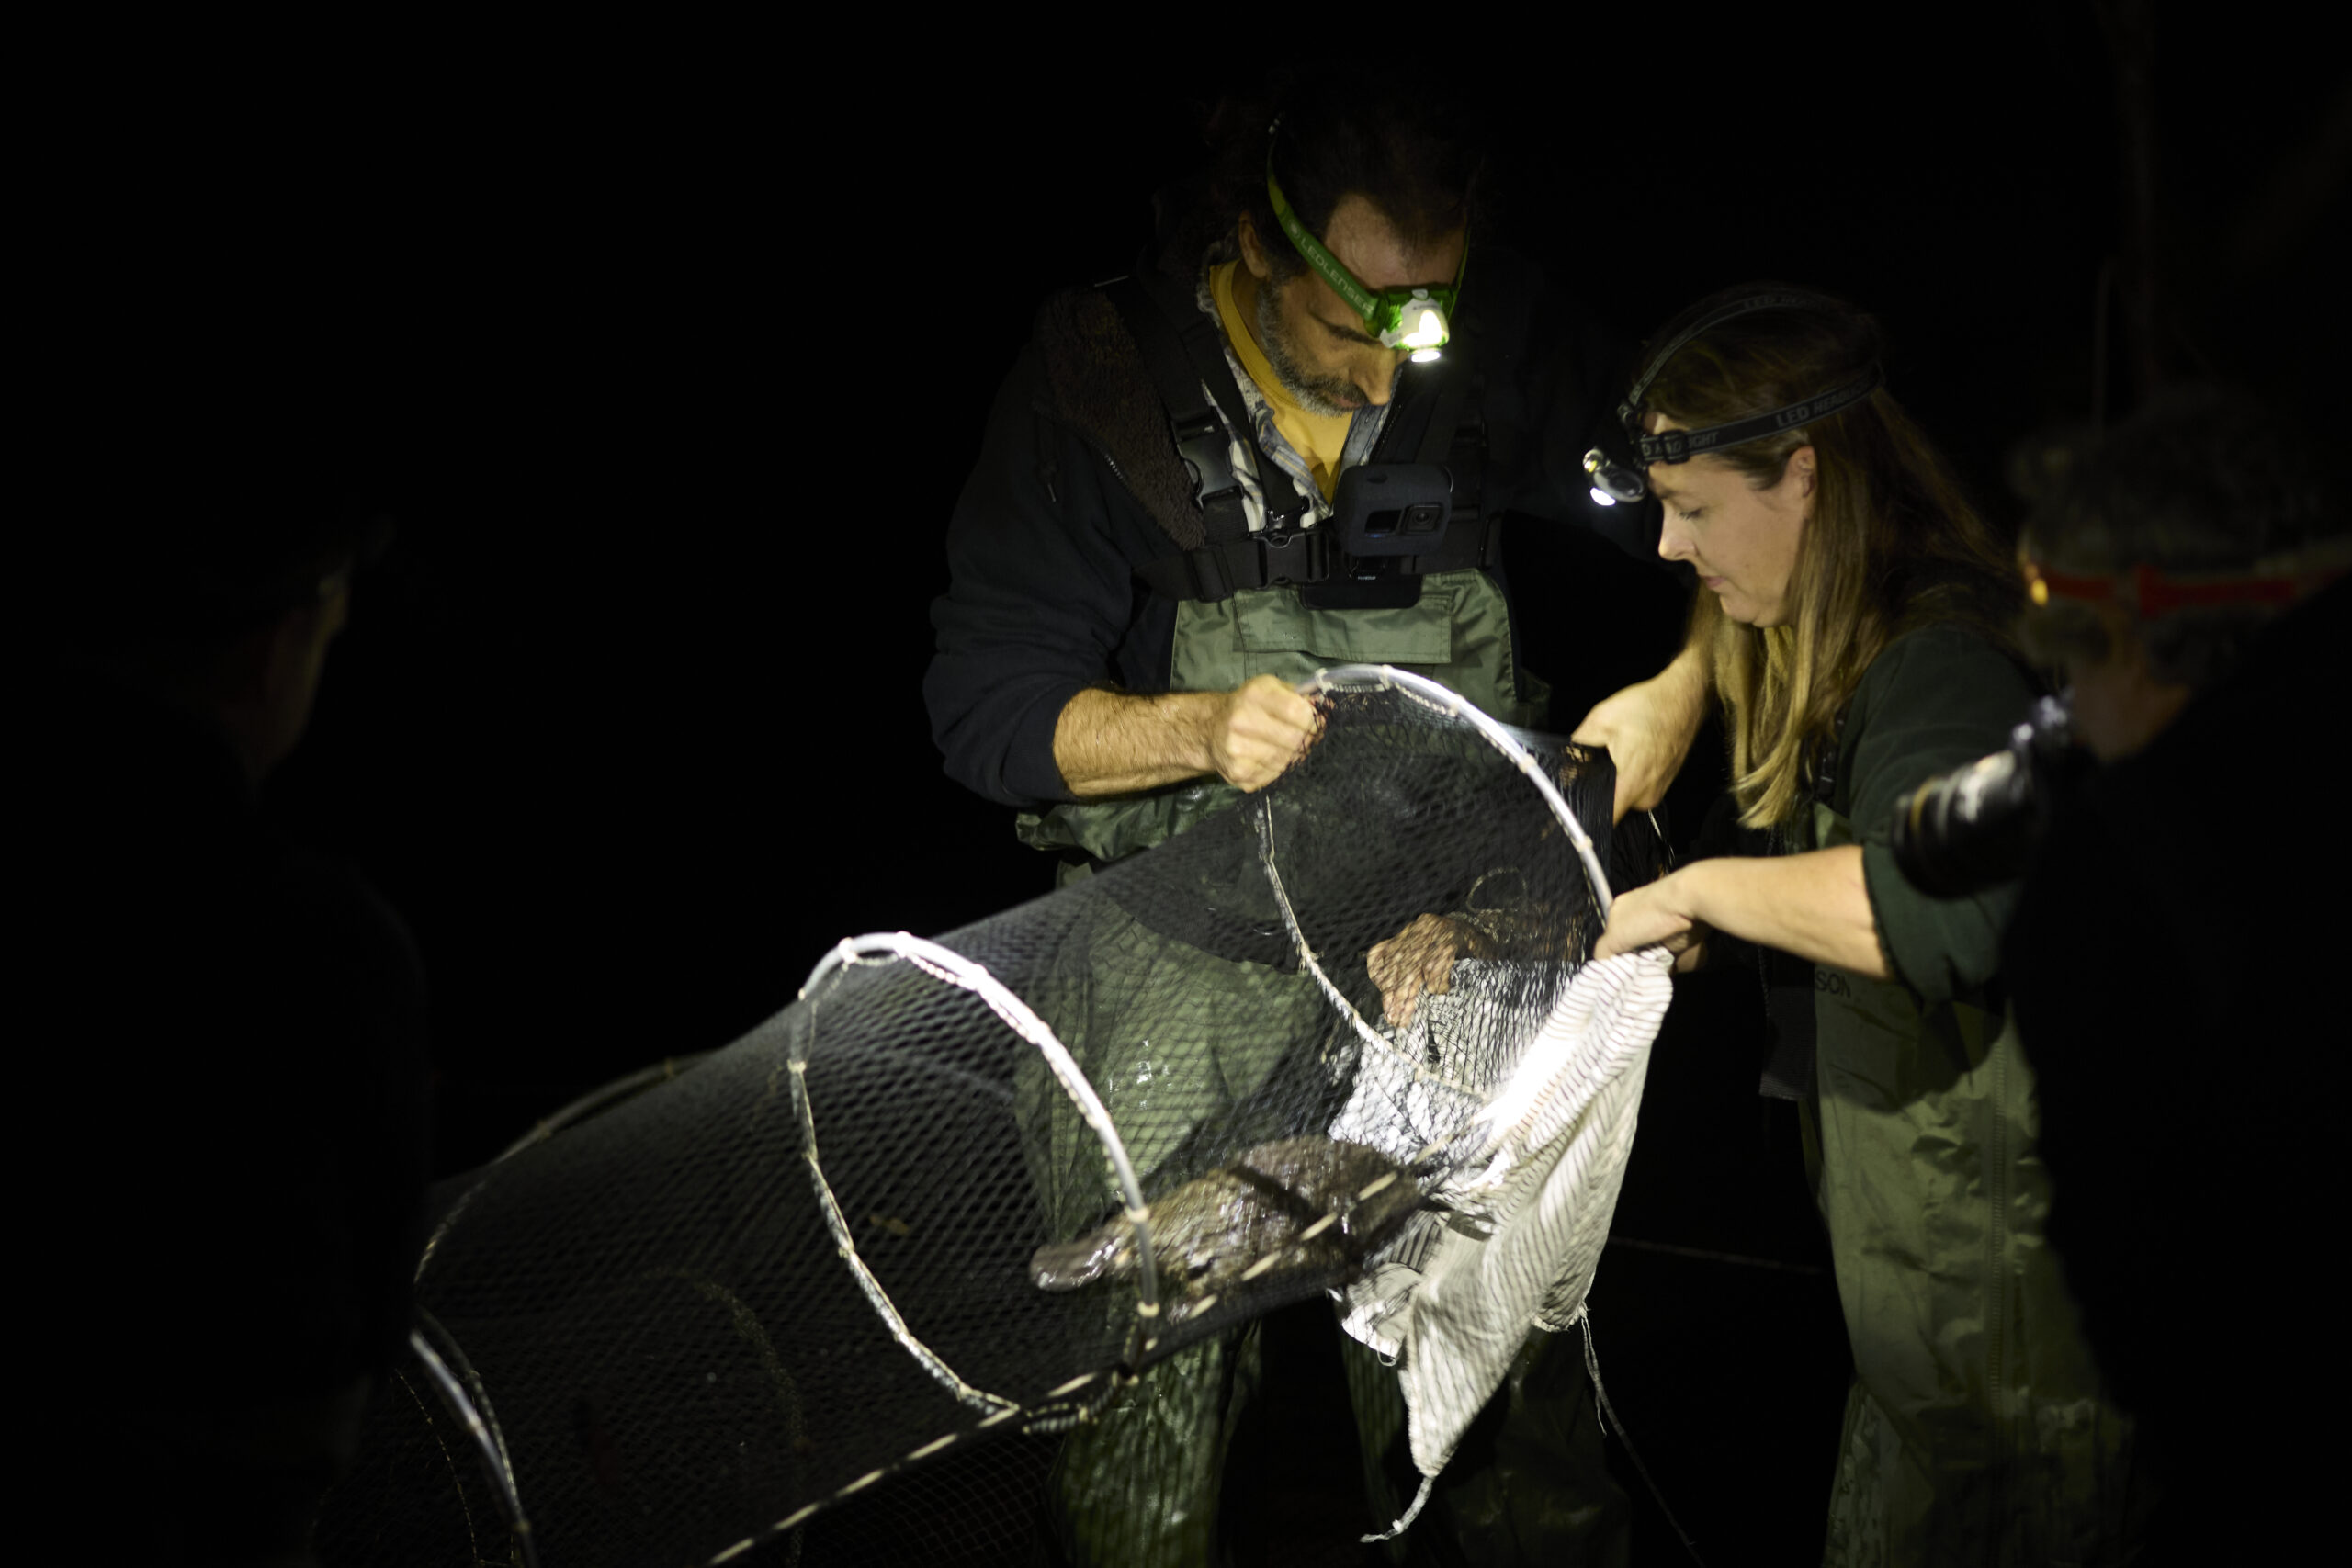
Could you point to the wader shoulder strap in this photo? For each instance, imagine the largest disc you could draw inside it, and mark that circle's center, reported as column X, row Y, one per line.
column 1445, row 419
column 1185, row 356
column 1442, row 422
column 1433, row 404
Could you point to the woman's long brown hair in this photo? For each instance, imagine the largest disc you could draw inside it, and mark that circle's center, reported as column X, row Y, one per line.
column 1891, row 542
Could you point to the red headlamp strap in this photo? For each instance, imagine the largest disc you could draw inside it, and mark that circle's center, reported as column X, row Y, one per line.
column 2151, row 593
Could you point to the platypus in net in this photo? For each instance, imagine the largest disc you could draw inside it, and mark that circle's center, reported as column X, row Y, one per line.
column 1311, row 1204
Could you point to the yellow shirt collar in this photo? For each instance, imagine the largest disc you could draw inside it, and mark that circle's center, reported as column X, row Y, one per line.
column 1318, row 438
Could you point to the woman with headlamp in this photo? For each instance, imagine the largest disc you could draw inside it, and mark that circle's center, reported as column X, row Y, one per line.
column 1854, row 623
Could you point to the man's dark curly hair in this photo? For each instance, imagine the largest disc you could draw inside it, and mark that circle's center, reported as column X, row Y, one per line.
column 1412, row 152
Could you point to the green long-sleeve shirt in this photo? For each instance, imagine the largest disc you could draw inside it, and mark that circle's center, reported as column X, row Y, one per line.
column 1940, row 697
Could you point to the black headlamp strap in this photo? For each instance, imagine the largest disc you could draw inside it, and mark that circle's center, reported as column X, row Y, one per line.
column 1185, row 355
column 1681, row 445
column 1775, row 300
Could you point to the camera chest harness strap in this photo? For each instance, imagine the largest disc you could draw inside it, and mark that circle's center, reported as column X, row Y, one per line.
column 1456, row 438
column 1184, row 354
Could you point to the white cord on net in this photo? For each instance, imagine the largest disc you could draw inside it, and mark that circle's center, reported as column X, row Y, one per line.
column 1372, row 1039
column 953, row 968
column 1438, row 699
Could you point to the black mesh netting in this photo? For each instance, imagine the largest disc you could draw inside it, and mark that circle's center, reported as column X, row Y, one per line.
column 846, row 1290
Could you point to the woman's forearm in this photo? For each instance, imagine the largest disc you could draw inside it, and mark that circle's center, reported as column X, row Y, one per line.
column 1814, row 905
column 1649, row 726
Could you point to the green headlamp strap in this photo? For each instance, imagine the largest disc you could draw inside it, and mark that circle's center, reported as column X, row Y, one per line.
column 1416, row 318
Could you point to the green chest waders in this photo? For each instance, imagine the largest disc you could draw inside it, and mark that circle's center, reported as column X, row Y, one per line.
column 1458, row 634
column 1140, row 1486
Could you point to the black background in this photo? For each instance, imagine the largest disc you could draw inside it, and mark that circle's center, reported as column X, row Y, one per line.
column 674, row 352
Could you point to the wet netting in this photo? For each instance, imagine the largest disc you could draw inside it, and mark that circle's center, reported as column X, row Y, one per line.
column 890, row 1277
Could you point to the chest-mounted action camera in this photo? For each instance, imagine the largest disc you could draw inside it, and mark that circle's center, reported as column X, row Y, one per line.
column 1393, row 509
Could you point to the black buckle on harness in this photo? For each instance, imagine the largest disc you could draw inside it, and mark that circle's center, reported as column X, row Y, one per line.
column 1205, row 451
column 1298, row 555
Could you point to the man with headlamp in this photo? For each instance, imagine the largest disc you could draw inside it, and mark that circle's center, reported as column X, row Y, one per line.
column 1286, row 441
column 1207, row 480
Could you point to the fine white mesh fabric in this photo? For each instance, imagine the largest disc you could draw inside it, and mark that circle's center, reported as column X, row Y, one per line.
column 1528, row 1214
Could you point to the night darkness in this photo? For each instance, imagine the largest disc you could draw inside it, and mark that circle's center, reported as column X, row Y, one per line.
column 673, row 368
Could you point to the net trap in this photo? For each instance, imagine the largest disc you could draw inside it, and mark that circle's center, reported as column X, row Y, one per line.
column 849, row 1280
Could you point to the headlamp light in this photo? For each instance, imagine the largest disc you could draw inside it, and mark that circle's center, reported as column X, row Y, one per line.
column 1419, row 324
column 1419, row 320
column 1612, row 482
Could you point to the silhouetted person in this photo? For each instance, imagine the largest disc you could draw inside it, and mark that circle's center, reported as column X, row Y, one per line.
column 2177, row 941
column 225, row 1047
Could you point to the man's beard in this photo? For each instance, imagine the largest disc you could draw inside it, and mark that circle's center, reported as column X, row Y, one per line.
column 1316, row 394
